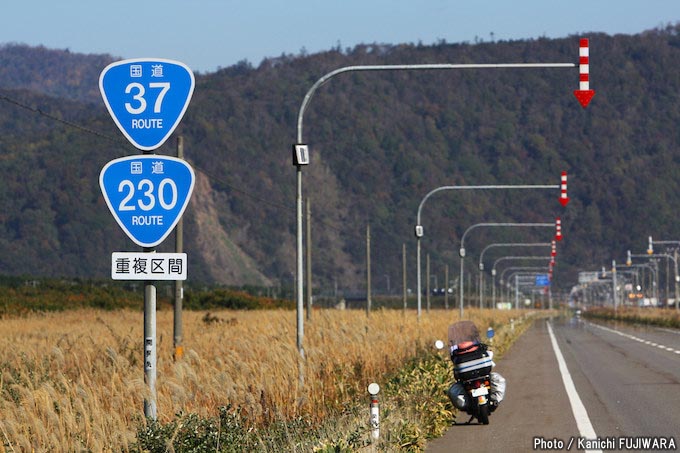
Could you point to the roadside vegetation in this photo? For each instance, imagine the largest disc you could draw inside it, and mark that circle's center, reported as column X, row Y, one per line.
column 635, row 315
column 73, row 380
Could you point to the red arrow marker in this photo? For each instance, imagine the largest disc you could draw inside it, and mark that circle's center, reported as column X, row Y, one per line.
column 584, row 94
column 564, row 199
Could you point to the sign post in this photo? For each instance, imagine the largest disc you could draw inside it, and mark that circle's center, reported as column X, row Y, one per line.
column 147, row 193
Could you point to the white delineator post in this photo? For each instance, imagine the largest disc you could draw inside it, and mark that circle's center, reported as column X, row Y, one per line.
column 373, row 390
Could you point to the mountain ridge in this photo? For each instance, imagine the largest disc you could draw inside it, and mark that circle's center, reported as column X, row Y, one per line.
column 378, row 143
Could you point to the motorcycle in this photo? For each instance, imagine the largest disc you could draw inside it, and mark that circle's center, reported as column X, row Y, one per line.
column 477, row 391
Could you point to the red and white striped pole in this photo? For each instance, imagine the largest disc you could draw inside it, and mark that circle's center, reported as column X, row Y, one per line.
column 553, row 251
column 584, row 94
column 564, row 199
column 584, row 64
column 558, row 229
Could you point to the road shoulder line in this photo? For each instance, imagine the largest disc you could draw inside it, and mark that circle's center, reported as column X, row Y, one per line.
column 585, row 427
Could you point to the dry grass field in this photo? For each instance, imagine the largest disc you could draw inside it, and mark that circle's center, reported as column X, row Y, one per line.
column 74, row 381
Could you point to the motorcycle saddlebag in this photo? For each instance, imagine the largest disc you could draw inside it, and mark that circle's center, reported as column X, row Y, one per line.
column 471, row 362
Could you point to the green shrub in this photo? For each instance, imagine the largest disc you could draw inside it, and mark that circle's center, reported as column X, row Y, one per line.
column 232, row 300
column 194, row 434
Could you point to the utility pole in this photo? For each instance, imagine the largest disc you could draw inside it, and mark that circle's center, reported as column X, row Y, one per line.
column 179, row 289
column 427, row 284
column 675, row 296
column 615, row 292
column 309, row 260
column 403, row 273
column 446, row 286
column 368, row 270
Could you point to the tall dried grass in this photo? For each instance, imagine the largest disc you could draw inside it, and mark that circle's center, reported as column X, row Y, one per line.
column 74, row 380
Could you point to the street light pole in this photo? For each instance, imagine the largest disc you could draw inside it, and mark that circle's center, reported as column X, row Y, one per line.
column 419, row 231
column 490, row 246
column 303, row 107
column 462, row 245
column 523, row 282
column 409, row 67
column 505, row 258
column 614, row 289
column 514, row 269
column 675, row 262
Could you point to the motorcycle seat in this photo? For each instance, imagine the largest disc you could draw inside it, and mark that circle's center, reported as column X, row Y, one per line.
column 466, row 346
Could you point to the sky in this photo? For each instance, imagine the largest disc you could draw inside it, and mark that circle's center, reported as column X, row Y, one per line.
column 210, row 34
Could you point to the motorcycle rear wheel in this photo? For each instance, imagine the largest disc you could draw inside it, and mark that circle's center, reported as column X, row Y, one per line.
column 483, row 414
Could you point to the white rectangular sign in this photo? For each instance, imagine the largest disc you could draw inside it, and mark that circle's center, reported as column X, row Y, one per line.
column 587, row 277
column 148, row 266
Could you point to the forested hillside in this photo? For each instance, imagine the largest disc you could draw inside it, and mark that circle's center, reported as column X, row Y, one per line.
column 379, row 142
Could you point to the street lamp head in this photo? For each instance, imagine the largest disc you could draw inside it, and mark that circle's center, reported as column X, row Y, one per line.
column 300, row 154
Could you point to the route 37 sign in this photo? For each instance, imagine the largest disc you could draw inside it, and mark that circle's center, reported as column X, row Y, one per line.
column 146, row 98
column 147, row 194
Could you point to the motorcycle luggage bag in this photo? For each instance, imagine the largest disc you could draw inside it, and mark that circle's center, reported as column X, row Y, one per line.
column 471, row 362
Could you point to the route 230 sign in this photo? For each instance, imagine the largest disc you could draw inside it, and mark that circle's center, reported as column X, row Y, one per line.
column 147, row 194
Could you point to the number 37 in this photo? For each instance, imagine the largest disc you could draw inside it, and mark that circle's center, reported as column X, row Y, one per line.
column 138, row 91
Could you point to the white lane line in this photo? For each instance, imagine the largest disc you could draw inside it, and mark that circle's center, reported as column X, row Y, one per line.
column 675, row 331
column 633, row 337
column 580, row 414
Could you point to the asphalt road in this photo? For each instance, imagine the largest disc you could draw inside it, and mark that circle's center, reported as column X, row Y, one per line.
column 627, row 378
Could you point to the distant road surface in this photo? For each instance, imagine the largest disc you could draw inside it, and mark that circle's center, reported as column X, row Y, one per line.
column 627, row 378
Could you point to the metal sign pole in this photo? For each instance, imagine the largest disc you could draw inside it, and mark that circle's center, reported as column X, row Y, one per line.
column 179, row 289
column 150, row 407
column 150, row 403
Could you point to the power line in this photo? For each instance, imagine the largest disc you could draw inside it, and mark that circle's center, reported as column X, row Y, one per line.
column 285, row 208
column 54, row 118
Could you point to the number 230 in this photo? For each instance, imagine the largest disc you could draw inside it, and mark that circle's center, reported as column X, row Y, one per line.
column 148, row 199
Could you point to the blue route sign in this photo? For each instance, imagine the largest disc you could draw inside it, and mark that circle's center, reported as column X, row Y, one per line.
column 542, row 280
column 147, row 194
column 146, row 98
